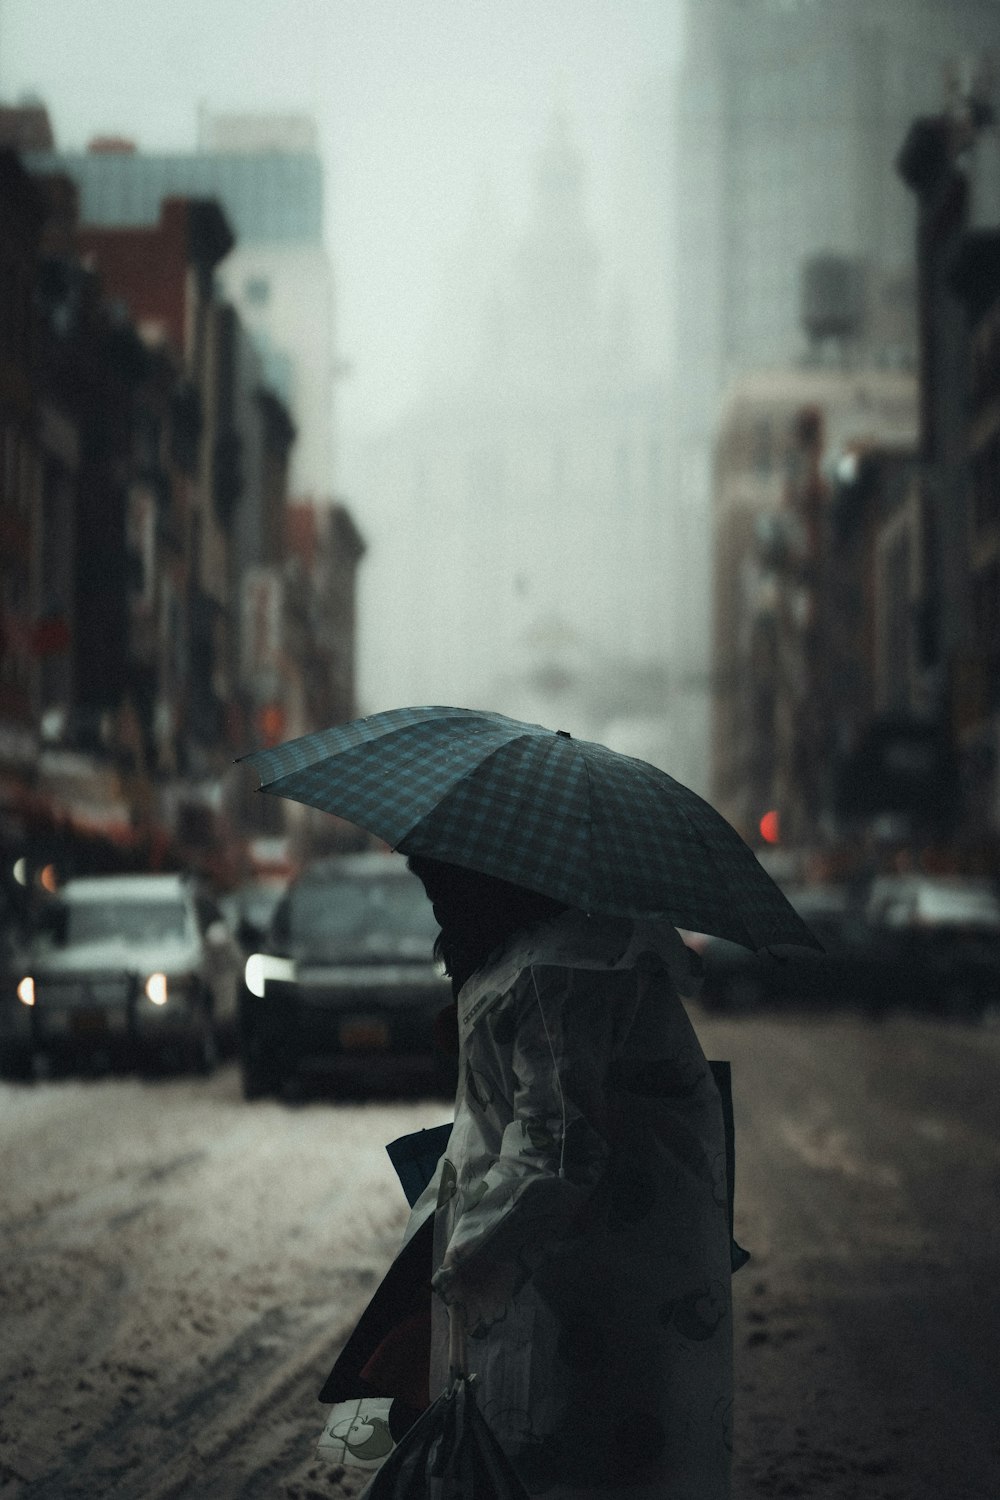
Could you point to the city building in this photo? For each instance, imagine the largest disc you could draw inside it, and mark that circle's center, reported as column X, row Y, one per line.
column 951, row 162
column 22, row 213
column 164, row 607
column 267, row 176
column 161, row 277
column 795, row 640
column 789, row 116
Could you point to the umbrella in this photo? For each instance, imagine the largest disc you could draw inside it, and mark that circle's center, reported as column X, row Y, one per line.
column 449, row 1453
column 569, row 818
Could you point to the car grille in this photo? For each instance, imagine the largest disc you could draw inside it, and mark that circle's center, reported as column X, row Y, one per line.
column 76, row 992
column 383, row 985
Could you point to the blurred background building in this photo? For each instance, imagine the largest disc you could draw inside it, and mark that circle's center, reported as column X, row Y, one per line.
column 179, row 585
column 265, row 173
column 857, row 588
column 789, row 118
column 712, row 477
column 534, row 475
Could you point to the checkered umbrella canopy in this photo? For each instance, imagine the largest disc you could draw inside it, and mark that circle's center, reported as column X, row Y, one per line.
column 601, row 831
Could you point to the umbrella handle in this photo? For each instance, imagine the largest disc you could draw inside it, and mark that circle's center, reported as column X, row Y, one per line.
column 456, row 1342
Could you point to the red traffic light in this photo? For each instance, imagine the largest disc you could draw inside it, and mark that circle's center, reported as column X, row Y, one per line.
column 770, row 827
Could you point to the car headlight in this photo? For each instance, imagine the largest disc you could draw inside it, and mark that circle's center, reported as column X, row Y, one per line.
column 260, row 967
column 156, row 989
column 26, row 990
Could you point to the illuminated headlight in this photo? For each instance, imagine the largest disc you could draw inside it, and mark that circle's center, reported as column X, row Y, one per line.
column 260, row 967
column 26, row 990
column 156, row 989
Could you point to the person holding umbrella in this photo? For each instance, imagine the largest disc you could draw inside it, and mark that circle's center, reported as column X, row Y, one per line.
column 578, row 1221
column 581, row 1232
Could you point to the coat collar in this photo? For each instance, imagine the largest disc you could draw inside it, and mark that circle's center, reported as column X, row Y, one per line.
column 574, row 940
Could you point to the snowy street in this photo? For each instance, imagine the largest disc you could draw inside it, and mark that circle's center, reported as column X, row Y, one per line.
column 180, row 1267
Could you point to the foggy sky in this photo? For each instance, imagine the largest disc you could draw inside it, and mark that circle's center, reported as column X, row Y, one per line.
column 420, row 107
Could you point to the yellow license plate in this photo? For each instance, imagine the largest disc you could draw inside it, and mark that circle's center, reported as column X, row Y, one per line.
column 364, row 1034
column 88, row 1021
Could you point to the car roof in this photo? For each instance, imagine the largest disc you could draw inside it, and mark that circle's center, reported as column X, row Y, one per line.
column 915, row 881
column 370, row 866
column 125, row 887
column 941, row 897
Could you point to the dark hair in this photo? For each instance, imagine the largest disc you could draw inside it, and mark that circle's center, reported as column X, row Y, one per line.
column 476, row 913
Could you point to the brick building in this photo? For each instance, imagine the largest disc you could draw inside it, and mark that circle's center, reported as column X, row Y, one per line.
column 22, row 213
column 794, row 640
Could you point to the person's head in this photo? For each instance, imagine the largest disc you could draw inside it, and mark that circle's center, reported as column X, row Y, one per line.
column 476, row 913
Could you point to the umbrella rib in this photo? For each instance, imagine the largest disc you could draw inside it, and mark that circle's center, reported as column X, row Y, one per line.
column 723, row 880
column 589, row 831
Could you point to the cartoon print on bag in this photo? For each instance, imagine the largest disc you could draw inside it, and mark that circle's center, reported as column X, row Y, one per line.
column 697, row 1314
column 364, row 1437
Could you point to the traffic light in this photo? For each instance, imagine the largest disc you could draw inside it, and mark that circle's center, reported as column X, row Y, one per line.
column 770, row 827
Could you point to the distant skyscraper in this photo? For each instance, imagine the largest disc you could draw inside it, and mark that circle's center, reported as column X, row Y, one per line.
column 267, row 175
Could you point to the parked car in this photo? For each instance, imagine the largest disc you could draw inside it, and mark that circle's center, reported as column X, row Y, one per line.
column 346, row 984
column 847, row 971
column 938, row 937
column 123, row 967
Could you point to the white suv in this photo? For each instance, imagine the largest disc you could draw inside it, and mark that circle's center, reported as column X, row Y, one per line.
column 123, row 966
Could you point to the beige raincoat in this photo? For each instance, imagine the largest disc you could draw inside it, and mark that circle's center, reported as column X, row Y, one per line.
column 581, row 1217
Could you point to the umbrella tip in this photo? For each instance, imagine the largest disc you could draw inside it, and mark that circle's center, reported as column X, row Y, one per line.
column 565, row 734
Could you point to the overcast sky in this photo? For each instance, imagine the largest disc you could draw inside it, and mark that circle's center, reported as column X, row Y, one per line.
column 418, row 103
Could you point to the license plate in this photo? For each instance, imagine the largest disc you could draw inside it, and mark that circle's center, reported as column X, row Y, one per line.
column 364, row 1034
column 88, row 1021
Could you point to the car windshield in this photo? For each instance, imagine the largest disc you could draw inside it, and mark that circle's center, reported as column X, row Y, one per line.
column 357, row 919
column 958, row 906
column 256, row 903
column 131, row 922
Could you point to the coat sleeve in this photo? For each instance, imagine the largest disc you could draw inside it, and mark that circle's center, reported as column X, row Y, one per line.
column 555, row 1149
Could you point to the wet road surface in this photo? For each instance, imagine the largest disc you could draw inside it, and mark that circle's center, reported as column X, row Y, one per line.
column 178, row 1269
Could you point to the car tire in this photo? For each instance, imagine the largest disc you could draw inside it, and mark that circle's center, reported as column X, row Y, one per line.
column 291, row 1088
column 17, row 1064
column 205, row 1051
column 259, row 1076
column 959, row 1002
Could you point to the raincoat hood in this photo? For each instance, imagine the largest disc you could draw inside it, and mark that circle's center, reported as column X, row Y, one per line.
column 575, row 940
